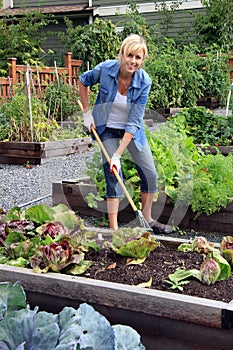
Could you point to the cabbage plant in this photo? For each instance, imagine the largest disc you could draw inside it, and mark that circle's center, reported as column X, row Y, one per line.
column 71, row 329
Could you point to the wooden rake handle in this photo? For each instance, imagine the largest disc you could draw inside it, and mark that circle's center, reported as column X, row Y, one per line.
column 93, row 130
column 119, row 179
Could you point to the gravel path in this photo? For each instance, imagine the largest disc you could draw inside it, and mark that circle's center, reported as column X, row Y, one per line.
column 20, row 185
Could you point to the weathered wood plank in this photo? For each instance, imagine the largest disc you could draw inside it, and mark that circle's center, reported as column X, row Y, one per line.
column 30, row 146
column 170, row 305
column 65, row 143
column 38, row 152
column 17, row 153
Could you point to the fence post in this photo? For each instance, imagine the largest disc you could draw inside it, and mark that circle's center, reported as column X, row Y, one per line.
column 12, row 69
column 231, row 65
column 68, row 64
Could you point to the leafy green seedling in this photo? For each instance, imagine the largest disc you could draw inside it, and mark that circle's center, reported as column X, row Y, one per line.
column 176, row 279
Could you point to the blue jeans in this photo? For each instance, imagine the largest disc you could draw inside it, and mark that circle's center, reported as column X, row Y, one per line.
column 143, row 161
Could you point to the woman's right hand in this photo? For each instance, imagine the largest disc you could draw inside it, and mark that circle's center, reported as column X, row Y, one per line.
column 115, row 163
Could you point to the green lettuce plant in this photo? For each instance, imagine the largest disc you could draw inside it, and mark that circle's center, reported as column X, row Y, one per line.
column 133, row 243
column 84, row 328
column 178, row 279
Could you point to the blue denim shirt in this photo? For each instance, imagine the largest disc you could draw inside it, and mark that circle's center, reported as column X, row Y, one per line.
column 106, row 73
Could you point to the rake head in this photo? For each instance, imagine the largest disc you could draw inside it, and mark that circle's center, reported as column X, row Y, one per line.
column 143, row 223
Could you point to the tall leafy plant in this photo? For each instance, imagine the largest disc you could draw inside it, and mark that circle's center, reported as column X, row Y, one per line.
column 216, row 25
column 22, row 38
column 176, row 80
column 61, row 99
column 134, row 22
column 180, row 75
column 92, row 43
column 167, row 14
column 215, row 69
column 16, row 116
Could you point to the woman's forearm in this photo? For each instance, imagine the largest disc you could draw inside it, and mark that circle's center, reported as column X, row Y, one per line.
column 84, row 93
column 124, row 143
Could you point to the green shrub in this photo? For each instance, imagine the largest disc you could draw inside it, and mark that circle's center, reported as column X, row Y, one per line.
column 61, row 99
column 16, row 114
column 180, row 76
column 204, row 126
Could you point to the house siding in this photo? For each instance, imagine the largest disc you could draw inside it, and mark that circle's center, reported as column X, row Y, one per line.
column 181, row 19
column 38, row 3
column 104, row 4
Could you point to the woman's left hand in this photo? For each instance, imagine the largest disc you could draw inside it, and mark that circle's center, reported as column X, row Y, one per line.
column 115, row 163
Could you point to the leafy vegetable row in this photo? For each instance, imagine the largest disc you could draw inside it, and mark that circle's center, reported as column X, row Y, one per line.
column 54, row 239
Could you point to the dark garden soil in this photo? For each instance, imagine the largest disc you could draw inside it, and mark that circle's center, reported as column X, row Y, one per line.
column 109, row 266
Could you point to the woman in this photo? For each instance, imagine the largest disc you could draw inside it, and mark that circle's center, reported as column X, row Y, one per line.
column 118, row 118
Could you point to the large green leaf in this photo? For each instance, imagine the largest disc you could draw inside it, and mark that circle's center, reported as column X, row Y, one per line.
column 133, row 243
column 40, row 213
column 126, row 338
column 73, row 329
column 84, row 327
column 67, row 217
column 12, row 297
column 38, row 330
column 224, row 265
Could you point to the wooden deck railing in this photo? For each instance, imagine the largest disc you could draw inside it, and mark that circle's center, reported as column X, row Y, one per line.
column 40, row 76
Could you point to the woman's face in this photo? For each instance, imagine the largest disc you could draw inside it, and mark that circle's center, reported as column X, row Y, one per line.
column 132, row 62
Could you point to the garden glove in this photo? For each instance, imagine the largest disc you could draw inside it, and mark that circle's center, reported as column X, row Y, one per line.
column 88, row 120
column 115, row 163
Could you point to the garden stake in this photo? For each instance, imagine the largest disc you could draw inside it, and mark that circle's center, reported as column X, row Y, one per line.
column 29, row 100
column 144, row 224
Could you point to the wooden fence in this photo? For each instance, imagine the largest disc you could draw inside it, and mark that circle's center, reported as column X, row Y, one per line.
column 40, row 76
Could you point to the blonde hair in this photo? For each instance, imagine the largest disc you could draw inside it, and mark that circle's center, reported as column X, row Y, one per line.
column 132, row 44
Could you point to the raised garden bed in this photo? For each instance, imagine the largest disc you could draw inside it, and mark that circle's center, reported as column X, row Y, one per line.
column 165, row 320
column 36, row 153
column 225, row 150
column 73, row 193
column 208, row 102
